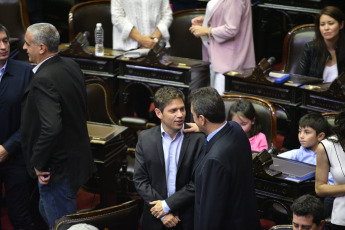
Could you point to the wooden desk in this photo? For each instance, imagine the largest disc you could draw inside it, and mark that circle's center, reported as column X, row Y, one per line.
column 109, row 153
column 105, row 67
column 326, row 97
column 152, row 72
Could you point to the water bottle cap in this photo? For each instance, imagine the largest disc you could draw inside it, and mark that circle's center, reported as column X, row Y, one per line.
column 99, row 24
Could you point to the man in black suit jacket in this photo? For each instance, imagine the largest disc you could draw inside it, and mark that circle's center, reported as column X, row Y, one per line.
column 14, row 78
column 163, row 165
column 223, row 175
column 55, row 140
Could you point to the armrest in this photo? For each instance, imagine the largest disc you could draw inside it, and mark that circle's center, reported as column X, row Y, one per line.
column 136, row 123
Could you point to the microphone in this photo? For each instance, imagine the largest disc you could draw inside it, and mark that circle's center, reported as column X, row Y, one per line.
column 271, row 60
column 82, row 38
column 266, row 65
column 159, row 47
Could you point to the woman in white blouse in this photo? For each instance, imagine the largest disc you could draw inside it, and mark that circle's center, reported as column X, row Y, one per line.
column 140, row 23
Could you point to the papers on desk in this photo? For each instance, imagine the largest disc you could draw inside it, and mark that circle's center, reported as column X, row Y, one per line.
column 137, row 53
column 279, row 78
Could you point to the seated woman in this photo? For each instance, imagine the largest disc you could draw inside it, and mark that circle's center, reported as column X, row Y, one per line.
column 140, row 23
column 324, row 57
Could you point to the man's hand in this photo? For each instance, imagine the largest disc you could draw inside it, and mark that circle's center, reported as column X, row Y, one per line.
column 43, row 177
column 193, row 128
column 3, row 154
column 157, row 209
column 170, row 220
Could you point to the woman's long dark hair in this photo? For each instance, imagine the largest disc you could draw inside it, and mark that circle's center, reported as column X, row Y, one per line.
column 322, row 52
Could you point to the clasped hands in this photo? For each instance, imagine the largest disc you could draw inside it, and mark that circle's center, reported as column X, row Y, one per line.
column 157, row 211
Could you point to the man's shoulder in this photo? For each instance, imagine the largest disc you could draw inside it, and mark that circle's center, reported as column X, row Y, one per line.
column 18, row 65
column 151, row 131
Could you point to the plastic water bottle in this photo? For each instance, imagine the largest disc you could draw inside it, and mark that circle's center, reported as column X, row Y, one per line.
column 99, row 37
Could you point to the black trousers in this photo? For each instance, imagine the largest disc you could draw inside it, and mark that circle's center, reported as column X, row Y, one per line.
column 18, row 189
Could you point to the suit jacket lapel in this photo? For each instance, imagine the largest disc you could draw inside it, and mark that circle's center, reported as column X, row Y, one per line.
column 183, row 151
column 210, row 144
column 159, row 147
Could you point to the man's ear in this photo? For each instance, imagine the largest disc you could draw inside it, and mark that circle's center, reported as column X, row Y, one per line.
column 159, row 113
column 43, row 48
column 321, row 136
column 202, row 120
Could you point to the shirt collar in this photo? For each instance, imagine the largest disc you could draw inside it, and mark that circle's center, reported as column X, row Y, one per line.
column 209, row 136
column 179, row 133
column 307, row 150
column 38, row 66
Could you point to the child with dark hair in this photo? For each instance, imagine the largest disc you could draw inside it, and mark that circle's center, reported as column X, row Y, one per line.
column 313, row 128
column 243, row 113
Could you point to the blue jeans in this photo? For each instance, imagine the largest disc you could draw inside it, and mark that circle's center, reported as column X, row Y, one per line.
column 56, row 200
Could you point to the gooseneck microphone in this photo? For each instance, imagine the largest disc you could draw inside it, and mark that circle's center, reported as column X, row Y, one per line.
column 266, row 65
column 83, row 38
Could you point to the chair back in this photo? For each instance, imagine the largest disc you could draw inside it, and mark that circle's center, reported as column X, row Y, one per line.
column 84, row 17
column 183, row 43
column 98, row 102
column 265, row 113
column 14, row 16
column 122, row 216
column 294, row 44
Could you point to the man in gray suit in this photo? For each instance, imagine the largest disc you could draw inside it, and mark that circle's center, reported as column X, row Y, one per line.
column 163, row 165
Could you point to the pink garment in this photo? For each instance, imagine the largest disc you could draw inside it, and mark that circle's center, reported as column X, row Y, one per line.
column 231, row 46
column 258, row 142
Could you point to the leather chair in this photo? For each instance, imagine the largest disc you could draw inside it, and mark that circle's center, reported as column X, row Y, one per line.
column 84, row 17
column 100, row 109
column 294, row 44
column 122, row 216
column 183, row 43
column 282, row 227
column 265, row 112
column 14, row 16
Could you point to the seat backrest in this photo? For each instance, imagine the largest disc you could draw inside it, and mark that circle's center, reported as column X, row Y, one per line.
column 122, row 216
column 14, row 16
column 84, row 17
column 265, row 113
column 98, row 102
column 183, row 43
column 293, row 46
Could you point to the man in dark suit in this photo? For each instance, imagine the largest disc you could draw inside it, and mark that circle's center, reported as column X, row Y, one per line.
column 14, row 78
column 223, row 175
column 163, row 165
column 55, row 140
